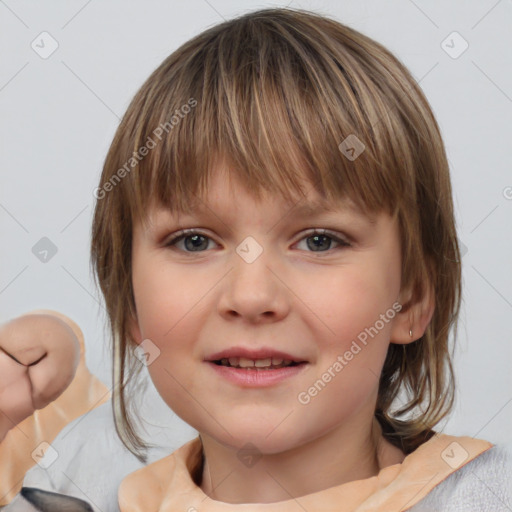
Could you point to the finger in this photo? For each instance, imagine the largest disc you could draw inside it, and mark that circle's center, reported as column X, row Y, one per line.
column 20, row 339
column 56, row 370
column 49, row 349
column 15, row 394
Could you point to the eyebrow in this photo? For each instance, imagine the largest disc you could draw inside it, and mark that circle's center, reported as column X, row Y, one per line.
column 316, row 207
column 303, row 210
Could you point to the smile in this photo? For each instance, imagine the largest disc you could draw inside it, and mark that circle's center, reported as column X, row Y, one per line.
column 255, row 376
column 269, row 363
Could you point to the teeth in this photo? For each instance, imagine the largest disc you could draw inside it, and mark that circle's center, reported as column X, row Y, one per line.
column 260, row 363
column 267, row 363
column 244, row 363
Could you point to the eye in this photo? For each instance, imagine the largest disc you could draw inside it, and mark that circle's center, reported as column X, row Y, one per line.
column 195, row 240
column 320, row 238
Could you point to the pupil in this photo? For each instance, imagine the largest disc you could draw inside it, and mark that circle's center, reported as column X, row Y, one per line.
column 316, row 237
column 195, row 238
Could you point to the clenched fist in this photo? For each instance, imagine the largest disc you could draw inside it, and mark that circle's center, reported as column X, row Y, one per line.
column 39, row 354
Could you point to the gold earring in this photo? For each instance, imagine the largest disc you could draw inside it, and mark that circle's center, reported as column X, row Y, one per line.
column 410, row 333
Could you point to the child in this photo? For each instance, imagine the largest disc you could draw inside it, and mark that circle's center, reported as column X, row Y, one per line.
column 262, row 137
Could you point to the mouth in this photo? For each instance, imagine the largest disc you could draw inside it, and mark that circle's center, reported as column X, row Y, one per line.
column 263, row 358
column 268, row 363
column 255, row 368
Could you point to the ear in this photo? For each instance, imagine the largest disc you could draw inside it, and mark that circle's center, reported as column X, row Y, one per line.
column 415, row 315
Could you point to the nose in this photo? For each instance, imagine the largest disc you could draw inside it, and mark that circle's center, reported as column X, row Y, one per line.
column 254, row 288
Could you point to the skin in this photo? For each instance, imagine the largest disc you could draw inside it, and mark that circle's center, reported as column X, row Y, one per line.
column 309, row 303
column 39, row 355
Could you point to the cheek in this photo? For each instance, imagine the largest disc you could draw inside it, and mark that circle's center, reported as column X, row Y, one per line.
column 168, row 306
column 342, row 305
column 164, row 297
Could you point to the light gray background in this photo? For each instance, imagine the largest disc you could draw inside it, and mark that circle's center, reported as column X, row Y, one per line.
column 58, row 116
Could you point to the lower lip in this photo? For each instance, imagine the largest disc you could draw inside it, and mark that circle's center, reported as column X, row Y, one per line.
column 257, row 378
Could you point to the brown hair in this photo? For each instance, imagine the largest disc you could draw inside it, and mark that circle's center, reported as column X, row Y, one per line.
column 276, row 91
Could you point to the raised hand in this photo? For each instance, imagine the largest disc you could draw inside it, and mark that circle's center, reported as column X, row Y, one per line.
column 39, row 354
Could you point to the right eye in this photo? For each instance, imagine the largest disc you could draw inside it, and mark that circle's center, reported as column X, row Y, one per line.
column 197, row 240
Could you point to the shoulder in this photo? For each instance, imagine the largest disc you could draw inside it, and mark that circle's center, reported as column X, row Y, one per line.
column 147, row 488
column 484, row 483
column 143, row 490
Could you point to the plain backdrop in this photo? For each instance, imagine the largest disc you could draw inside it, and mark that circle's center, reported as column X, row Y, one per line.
column 59, row 112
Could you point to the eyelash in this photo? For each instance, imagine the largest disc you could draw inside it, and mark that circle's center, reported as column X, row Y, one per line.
column 324, row 232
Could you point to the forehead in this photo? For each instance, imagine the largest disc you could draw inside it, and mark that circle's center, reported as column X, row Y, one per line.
column 227, row 195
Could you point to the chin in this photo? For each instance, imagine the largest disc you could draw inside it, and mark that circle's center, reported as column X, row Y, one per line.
column 256, row 438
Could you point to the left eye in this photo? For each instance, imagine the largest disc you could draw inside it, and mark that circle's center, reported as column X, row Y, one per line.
column 320, row 239
column 319, row 236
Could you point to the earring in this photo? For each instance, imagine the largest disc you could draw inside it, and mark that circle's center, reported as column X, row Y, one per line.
column 410, row 333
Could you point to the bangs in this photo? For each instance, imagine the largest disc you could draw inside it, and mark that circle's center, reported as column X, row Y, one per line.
column 286, row 110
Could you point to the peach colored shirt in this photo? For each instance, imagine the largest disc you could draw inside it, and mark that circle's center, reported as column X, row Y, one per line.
column 167, row 484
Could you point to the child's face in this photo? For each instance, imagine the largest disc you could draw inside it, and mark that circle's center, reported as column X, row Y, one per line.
column 309, row 297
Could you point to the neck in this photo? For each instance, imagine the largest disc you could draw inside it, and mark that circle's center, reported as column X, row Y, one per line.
column 340, row 456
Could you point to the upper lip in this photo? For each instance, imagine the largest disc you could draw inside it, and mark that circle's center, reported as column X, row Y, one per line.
column 249, row 353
